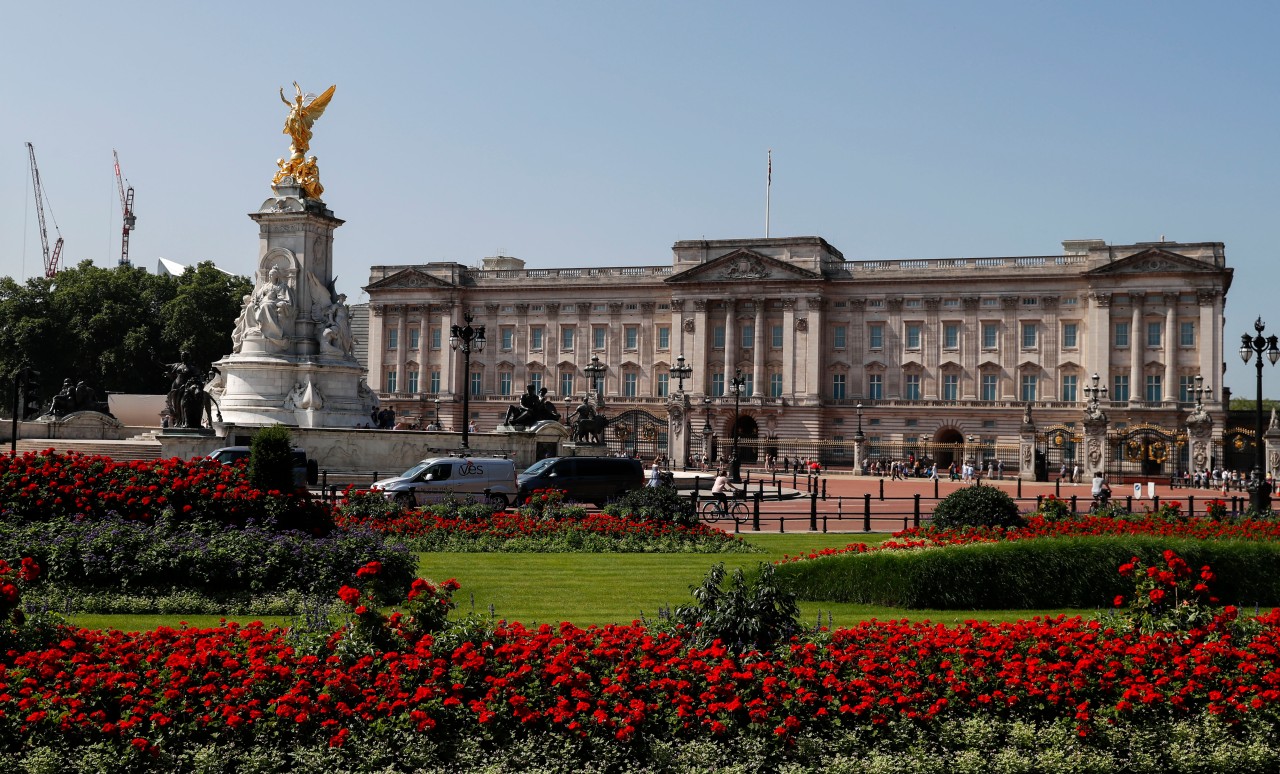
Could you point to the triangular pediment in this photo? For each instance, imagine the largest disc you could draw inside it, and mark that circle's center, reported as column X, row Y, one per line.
column 989, row 365
column 743, row 265
column 409, row 279
column 1154, row 260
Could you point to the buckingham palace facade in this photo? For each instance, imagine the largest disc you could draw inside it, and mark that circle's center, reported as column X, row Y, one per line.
column 925, row 356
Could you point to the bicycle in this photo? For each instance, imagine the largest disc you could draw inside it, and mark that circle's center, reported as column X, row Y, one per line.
column 712, row 511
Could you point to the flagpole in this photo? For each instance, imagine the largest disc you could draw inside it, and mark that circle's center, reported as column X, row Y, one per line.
column 768, row 190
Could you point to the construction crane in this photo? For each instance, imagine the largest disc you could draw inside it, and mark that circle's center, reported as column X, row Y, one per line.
column 50, row 259
column 126, row 206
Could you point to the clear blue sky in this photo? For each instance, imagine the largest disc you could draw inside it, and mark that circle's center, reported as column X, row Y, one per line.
column 584, row 133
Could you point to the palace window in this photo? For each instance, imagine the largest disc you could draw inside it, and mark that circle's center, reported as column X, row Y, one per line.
column 1154, row 331
column 717, row 337
column 631, row 337
column 875, row 387
column 1122, row 334
column 598, row 336
column 913, row 336
column 566, row 338
column 535, row 338
column 393, row 339
column 838, row 336
column 435, row 337
column 630, row 381
column 717, row 384
column 1069, row 383
column 477, row 382
column 414, row 336
column 990, row 332
column 664, row 337
column 391, row 380
column 1120, row 387
column 950, row 386
column 1029, row 384
column 776, row 335
column 435, row 382
column 1029, row 335
column 566, row 383
column 508, row 338
column 535, row 380
column 875, row 336
column 1187, row 333
column 1185, row 385
column 1155, row 387
column 504, row 383
column 748, row 335
column 413, row 380
column 989, row 382
column 664, row 381
column 950, row 336
column 1069, row 331
column 911, row 390
column 838, row 387
column 775, row 385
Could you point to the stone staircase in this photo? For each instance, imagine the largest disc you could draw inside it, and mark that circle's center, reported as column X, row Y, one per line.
column 137, row 448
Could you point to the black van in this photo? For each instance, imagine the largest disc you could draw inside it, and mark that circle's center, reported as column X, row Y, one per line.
column 583, row 479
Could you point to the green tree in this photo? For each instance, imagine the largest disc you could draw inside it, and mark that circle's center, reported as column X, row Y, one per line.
column 116, row 328
column 202, row 314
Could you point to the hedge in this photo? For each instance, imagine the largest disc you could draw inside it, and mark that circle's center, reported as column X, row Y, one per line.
column 1029, row 574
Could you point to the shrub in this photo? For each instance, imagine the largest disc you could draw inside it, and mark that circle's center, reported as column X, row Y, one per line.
column 977, row 506
column 1037, row 574
column 663, row 504
column 755, row 614
column 271, row 459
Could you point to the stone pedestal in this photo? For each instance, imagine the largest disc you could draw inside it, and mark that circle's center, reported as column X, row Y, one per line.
column 1027, row 447
column 678, row 430
column 1200, row 436
column 293, row 361
column 1272, row 439
column 1096, row 449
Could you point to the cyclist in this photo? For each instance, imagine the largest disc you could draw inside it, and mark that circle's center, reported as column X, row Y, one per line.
column 1101, row 492
column 721, row 490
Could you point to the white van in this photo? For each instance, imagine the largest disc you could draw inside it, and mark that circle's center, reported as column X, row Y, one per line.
column 462, row 478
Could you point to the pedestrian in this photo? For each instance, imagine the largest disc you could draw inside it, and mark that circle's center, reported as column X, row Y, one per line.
column 655, row 474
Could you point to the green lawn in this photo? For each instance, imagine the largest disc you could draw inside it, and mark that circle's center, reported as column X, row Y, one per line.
column 607, row 588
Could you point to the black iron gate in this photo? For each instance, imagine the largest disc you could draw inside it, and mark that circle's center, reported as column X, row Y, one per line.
column 637, row 433
column 1148, row 450
column 1239, row 448
column 1061, row 448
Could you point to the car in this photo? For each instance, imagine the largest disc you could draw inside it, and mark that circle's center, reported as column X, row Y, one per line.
column 584, row 479
column 305, row 471
column 438, row 478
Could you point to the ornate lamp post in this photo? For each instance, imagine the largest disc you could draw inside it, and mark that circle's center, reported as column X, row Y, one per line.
column 463, row 338
column 595, row 370
column 1092, row 392
column 437, row 401
column 737, row 384
column 1259, row 489
column 681, row 371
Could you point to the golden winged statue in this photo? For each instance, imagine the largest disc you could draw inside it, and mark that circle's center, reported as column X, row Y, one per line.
column 301, row 117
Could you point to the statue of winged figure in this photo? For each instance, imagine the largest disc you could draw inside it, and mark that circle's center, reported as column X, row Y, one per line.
column 302, row 115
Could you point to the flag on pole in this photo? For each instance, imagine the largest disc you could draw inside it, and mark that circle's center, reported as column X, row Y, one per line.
column 770, row 176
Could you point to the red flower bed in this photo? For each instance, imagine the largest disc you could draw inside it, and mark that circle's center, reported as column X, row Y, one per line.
column 42, row 486
column 621, row 683
column 515, row 524
column 1082, row 526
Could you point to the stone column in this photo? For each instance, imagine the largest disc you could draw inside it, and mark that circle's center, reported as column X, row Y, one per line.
column 402, row 347
column 551, row 346
column 614, row 348
column 1049, row 348
column 1170, row 346
column 1009, row 351
column 1137, row 343
column 970, row 346
column 858, row 345
column 811, row 326
column 757, row 361
column 788, row 347
column 1208, row 340
column 730, row 341
column 647, row 351
column 931, row 349
column 700, row 356
column 1098, row 360
column 894, row 346
column 450, row 361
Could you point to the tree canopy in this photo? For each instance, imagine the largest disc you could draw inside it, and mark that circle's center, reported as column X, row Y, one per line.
column 115, row 328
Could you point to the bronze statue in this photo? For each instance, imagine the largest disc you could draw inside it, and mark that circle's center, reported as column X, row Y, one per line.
column 586, row 425
column 77, row 397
